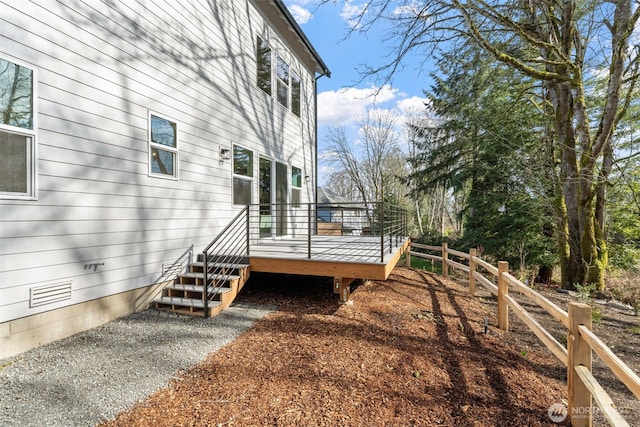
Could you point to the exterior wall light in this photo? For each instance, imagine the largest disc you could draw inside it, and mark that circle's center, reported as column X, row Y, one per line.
column 225, row 154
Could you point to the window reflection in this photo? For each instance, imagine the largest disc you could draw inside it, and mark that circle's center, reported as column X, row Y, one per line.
column 16, row 95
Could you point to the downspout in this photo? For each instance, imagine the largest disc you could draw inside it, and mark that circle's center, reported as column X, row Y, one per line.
column 315, row 109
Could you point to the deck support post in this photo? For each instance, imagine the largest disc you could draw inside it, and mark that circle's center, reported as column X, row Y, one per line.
column 407, row 255
column 342, row 286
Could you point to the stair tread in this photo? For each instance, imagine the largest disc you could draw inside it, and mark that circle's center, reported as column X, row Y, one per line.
column 221, row 264
column 195, row 288
column 185, row 302
column 198, row 275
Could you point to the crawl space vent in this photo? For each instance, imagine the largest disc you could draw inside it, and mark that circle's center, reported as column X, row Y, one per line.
column 49, row 294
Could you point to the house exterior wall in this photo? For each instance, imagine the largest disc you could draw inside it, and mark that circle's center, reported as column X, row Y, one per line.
column 99, row 222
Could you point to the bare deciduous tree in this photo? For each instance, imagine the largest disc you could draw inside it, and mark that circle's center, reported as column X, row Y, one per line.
column 373, row 161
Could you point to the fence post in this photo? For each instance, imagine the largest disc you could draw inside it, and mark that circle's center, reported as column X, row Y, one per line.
column 580, row 401
column 445, row 258
column 407, row 255
column 472, row 268
column 503, row 289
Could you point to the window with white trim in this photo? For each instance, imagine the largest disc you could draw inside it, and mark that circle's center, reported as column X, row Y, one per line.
column 263, row 59
column 282, row 84
column 242, row 175
column 163, row 147
column 296, row 186
column 288, row 84
column 17, row 131
column 296, row 94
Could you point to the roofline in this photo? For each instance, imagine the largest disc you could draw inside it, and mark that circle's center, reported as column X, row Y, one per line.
column 303, row 37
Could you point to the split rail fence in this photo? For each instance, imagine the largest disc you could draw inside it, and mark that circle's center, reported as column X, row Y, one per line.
column 582, row 387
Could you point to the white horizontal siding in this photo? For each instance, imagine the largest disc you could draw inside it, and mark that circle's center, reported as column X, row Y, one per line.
column 58, row 228
column 66, row 260
column 102, row 66
column 25, row 245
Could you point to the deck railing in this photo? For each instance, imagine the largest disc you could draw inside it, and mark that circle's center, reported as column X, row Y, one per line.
column 318, row 225
column 582, row 387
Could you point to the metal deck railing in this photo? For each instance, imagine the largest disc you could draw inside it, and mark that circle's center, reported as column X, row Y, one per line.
column 225, row 255
column 345, row 232
column 331, row 229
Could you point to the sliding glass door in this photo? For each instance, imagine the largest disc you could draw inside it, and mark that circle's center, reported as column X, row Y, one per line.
column 273, row 190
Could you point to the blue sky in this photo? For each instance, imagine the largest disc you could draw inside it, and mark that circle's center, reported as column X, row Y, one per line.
column 343, row 97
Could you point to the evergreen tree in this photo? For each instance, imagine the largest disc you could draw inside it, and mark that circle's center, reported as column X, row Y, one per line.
column 486, row 147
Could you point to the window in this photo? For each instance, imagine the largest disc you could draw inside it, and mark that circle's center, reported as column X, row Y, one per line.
column 282, row 71
column 163, row 147
column 288, row 84
column 242, row 175
column 17, row 131
column 295, row 94
column 296, row 186
column 263, row 55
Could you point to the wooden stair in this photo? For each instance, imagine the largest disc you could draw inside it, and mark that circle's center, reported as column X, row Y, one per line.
column 184, row 295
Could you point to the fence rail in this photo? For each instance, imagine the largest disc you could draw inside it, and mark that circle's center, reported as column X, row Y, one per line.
column 582, row 387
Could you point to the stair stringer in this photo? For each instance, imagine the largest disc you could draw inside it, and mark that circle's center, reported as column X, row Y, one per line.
column 227, row 298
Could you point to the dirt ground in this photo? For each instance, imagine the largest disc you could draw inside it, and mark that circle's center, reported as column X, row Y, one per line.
column 409, row 351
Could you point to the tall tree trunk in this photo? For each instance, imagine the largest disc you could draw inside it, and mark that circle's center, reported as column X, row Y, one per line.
column 562, row 230
column 601, row 203
column 567, row 204
column 418, row 216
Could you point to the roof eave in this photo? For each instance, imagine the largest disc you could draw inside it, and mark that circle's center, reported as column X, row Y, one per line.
column 323, row 70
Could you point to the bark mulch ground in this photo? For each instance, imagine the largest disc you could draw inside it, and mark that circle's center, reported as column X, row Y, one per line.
column 408, row 351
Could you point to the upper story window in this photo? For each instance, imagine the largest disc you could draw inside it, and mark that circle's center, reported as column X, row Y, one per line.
column 288, row 84
column 263, row 55
column 242, row 175
column 295, row 94
column 163, row 147
column 282, row 71
column 17, row 131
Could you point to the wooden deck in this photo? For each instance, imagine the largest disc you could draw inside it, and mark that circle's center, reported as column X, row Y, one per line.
column 353, row 257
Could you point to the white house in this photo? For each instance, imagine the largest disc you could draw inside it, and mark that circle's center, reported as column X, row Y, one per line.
column 130, row 132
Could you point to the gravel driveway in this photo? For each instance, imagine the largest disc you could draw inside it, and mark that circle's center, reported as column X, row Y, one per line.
column 90, row 377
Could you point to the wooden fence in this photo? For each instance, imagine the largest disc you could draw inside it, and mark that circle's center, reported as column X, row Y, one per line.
column 582, row 387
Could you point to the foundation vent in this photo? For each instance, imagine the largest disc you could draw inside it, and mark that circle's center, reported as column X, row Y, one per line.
column 49, row 294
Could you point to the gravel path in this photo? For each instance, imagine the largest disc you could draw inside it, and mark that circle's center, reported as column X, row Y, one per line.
column 92, row 376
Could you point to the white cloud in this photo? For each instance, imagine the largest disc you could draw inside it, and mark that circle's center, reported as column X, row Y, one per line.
column 413, row 105
column 351, row 13
column 412, row 9
column 300, row 14
column 348, row 105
